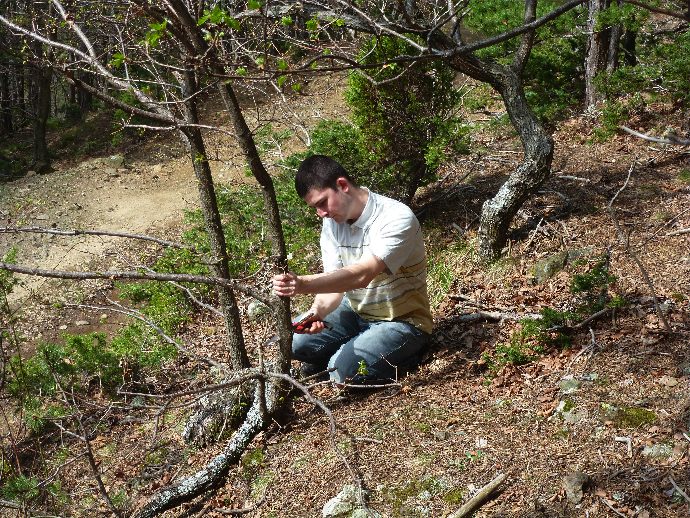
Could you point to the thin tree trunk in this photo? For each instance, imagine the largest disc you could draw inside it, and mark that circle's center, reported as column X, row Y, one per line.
column 214, row 226
column 597, row 51
column 629, row 51
column 42, row 79
column 6, row 126
column 613, row 52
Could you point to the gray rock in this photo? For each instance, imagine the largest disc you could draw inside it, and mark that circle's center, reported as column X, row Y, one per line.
column 658, row 451
column 569, row 384
column 256, row 309
column 114, row 161
column 346, row 505
column 548, row 267
column 42, row 217
column 574, row 485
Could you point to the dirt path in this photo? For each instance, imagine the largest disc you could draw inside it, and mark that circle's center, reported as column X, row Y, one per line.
column 144, row 190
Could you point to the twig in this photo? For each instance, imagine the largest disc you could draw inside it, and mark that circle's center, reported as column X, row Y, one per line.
column 679, row 490
column 138, row 276
column 611, row 507
column 678, row 232
column 245, row 510
column 75, row 232
column 628, row 249
column 132, row 313
column 478, row 500
column 533, row 234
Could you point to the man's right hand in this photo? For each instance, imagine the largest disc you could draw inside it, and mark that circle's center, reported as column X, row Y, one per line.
column 286, row 284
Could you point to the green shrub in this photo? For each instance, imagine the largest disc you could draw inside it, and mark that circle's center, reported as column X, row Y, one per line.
column 408, row 120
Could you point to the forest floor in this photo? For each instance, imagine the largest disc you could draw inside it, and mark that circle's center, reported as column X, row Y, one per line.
column 612, row 410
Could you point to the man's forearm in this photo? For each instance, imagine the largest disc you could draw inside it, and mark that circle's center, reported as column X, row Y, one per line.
column 326, row 303
column 350, row 277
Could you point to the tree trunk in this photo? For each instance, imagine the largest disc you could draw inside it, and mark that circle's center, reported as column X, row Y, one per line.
column 214, row 227
column 6, row 126
column 85, row 98
column 597, row 51
column 613, row 51
column 499, row 211
column 629, row 51
column 41, row 110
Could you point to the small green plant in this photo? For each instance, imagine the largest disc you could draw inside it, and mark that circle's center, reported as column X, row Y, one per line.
column 20, row 488
column 684, row 176
column 592, row 287
column 538, row 335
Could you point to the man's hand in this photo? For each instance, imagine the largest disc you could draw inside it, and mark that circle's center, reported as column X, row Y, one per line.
column 286, row 284
column 310, row 324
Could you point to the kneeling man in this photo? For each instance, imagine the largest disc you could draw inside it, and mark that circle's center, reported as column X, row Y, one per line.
column 370, row 318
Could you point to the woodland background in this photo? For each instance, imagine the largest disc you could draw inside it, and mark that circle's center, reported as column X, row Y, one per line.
column 146, row 163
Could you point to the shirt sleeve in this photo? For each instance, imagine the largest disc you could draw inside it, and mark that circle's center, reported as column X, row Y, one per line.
column 396, row 239
column 330, row 251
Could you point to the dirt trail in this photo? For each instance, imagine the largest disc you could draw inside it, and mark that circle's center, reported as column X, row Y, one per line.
column 144, row 190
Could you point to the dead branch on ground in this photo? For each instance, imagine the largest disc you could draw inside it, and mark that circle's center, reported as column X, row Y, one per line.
column 480, row 498
column 625, row 241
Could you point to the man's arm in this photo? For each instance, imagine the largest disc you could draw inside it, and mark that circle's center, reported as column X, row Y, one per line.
column 351, row 277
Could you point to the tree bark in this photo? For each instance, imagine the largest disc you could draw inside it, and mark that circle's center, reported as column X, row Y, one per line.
column 597, row 51
column 42, row 77
column 214, row 226
column 6, row 126
column 499, row 211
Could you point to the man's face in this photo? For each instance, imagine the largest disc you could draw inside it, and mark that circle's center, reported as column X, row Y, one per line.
column 330, row 203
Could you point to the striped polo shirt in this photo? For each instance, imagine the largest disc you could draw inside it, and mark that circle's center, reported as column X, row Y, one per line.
column 389, row 230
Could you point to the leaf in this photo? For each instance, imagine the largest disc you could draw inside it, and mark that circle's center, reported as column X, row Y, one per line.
column 117, row 60
column 281, row 80
column 282, row 64
column 286, row 20
column 254, row 4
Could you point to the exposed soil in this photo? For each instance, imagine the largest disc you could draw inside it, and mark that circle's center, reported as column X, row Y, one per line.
column 423, row 448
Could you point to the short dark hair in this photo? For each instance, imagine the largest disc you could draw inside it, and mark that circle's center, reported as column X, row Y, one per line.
column 319, row 172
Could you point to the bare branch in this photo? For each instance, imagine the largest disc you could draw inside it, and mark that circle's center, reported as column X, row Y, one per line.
column 76, row 232
column 624, row 240
column 669, row 139
column 660, row 10
column 138, row 276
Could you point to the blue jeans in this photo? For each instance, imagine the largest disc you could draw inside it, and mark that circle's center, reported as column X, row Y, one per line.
column 384, row 347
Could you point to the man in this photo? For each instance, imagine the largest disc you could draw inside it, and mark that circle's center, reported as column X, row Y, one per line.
column 371, row 312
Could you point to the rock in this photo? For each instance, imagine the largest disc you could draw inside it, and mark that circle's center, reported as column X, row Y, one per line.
column 657, row 451
column 627, row 417
column 111, row 172
column 62, row 327
column 548, row 267
column 346, row 505
column 574, row 485
column 81, row 323
column 668, row 381
column 568, row 384
column 256, row 310
column 42, row 217
column 567, row 411
column 114, row 161
column 157, row 169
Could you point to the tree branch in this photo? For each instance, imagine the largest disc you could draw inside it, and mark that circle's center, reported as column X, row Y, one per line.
column 138, row 276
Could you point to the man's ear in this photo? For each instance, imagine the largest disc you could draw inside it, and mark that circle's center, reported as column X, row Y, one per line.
column 343, row 184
